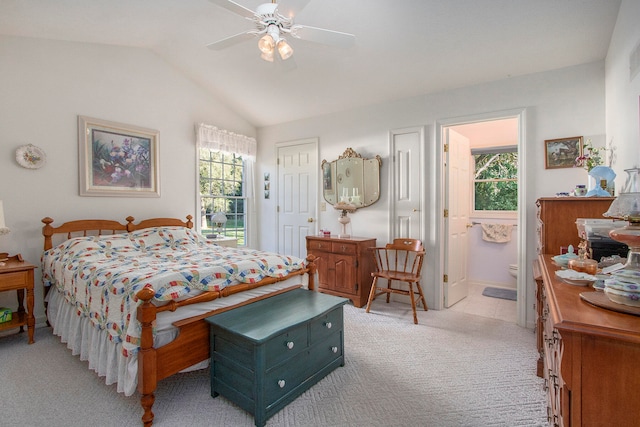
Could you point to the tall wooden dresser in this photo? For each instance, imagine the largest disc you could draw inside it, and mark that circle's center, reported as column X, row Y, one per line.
column 344, row 266
column 557, row 220
column 591, row 357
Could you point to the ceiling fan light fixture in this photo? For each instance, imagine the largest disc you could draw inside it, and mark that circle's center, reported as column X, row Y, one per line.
column 266, row 44
column 267, row 56
column 284, row 49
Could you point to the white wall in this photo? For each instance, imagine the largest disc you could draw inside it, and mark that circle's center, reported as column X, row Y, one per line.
column 489, row 261
column 561, row 103
column 623, row 94
column 45, row 85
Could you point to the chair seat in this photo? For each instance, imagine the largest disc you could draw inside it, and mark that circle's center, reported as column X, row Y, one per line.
column 397, row 275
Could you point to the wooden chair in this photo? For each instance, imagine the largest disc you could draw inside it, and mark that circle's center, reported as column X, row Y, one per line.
column 399, row 261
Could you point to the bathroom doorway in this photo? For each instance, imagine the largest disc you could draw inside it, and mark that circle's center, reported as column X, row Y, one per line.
column 484, row 263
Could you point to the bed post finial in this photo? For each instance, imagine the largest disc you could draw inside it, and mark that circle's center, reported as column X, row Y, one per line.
column 130, row 226
column 47, row 232
column 311, row 265
column 189, row 222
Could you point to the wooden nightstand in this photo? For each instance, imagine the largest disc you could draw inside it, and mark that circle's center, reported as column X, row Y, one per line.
column 17, row 275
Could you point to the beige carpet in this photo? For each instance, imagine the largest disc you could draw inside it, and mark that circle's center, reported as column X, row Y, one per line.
column 452, row 369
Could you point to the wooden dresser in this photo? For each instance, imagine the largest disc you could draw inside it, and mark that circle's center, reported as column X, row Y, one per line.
column 557, row 220
column 344, row 266
column 591, row 357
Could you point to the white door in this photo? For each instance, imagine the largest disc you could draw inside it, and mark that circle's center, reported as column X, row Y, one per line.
column 298, row 170
column 406, row 176
column 456, row 286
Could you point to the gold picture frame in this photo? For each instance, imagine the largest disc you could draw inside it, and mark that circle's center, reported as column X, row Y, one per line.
column 562, row 152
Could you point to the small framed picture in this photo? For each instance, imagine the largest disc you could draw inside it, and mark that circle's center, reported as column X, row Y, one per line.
column 562, row 152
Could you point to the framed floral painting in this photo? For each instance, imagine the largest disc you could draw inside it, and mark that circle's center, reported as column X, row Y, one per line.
column 562, row 152
column 117, row 159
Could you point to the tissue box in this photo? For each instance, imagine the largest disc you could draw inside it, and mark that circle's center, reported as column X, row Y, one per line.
column 5, row 314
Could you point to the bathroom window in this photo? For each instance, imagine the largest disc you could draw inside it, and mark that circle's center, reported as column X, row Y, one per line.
column 495, row 181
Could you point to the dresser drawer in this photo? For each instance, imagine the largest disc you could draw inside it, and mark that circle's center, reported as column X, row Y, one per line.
column 325, row 325
column 326, row 351
column 343, row 248
column 285, row 346
column 320, row 245
column 14, row 280
column 283, row 379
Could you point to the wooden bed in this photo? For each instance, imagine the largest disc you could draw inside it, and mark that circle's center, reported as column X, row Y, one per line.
column 191, row 345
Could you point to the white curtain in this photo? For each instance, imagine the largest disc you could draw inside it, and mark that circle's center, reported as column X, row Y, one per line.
column 211, row 137
column 208, row 136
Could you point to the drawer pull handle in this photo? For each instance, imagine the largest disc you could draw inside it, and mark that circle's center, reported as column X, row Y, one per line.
column 334, row 349
column 328, row 325
column 281, row 383
column 289, row 345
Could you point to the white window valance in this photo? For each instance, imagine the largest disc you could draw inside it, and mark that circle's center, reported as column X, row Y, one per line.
column 211, row 137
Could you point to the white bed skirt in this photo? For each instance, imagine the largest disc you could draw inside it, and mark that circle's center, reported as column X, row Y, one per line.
column 105, row 357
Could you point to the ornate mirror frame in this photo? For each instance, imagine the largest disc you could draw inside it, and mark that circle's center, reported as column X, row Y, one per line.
column 351, row 179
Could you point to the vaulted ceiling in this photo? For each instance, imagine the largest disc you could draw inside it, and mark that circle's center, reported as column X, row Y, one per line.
column 403, row 48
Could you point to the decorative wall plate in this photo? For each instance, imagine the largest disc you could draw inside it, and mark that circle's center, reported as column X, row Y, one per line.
column 31, row 157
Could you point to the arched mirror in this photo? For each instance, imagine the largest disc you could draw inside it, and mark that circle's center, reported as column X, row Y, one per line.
column 351, row 179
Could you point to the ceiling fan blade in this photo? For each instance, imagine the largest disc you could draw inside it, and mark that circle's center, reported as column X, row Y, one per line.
column 291, row 8
column 230, row 41
column 235, row 8
column 320, row 35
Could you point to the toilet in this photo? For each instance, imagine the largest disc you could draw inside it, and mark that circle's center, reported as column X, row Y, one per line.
column 513, row 270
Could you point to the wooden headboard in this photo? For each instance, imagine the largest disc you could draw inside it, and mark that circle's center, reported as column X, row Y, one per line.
column 91, row 227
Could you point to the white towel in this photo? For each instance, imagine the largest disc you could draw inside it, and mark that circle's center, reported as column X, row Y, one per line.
column 496, row 233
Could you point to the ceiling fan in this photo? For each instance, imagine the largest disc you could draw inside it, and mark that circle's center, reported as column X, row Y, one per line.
column 272, row 23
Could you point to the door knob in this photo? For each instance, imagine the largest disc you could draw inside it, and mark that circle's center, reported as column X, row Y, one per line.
column 310, row 220
column 416, row 210
column 469, row 225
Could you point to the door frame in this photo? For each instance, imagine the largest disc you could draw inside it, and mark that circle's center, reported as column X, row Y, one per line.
column 437, row 189
column 276, row 180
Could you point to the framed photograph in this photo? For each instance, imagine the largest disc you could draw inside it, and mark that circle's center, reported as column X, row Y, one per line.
column 562, row 152
column 117, row 159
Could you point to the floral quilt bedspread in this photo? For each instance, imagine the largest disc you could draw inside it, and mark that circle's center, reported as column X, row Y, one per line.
column 100, row 275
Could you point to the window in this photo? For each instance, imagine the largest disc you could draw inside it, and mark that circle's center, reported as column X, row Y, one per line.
column 222, row 190
column 495, row 181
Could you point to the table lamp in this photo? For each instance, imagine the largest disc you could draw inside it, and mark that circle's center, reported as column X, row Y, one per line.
column 344, row 220
column 3, row 230
column 219, row 219
column 596, row 176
